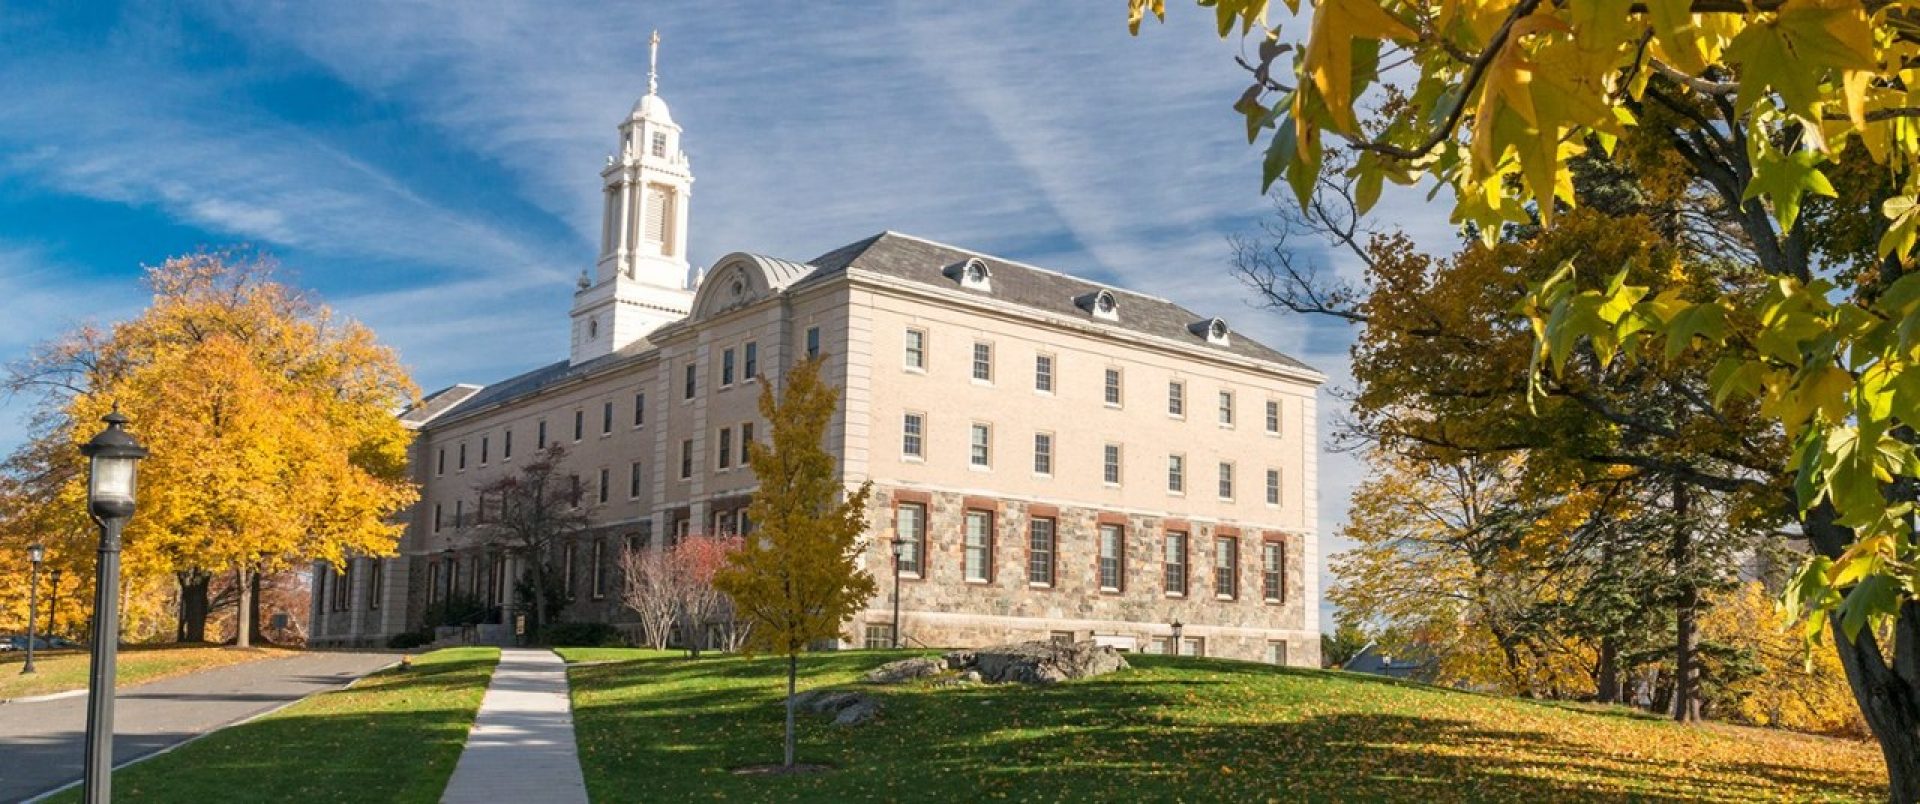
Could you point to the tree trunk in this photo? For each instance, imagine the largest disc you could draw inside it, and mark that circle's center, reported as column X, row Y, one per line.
column 253, row 619
column 243, row 625
column 1608, row 677
column 793, row 672
column 1889, row 696
column 1686, row 676
column 195, row 606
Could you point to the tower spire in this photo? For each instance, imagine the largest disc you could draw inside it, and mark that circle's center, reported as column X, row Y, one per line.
column 653, row 65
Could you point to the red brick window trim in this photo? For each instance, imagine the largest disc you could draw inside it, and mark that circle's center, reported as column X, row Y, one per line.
column 987, row 504
column 1273, row 573
column 1046, row 511
column 1226, row 530
column 921, row 502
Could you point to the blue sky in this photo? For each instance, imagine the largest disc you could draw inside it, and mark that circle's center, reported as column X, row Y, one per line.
column 431, row 168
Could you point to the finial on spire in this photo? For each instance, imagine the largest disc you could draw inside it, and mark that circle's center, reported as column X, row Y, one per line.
column 653, row 65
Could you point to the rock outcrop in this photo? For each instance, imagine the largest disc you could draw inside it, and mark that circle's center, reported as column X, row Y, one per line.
column 847, row 707
column 906, row 670
column 1042, row 662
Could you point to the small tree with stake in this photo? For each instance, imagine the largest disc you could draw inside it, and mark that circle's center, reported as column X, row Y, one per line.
column 797, row 578
column 531, row 511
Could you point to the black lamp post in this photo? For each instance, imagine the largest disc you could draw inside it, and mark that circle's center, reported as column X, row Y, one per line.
column 899, row 547
column 53, row 605
column 1174, row 649
column 113, row 457
column 35, row 554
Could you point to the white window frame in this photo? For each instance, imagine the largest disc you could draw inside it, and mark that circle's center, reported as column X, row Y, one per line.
column 1226, row 481
column 917, row 432
column 913, row 357
column 1112, row 464
column 982, row 357
column 980, row 446
column 1043, row 438
column 1273, row 488
column 1275, row 411
column 1046, row 376
column 1177, row 474
column 1226, row 409
column 1113, row 387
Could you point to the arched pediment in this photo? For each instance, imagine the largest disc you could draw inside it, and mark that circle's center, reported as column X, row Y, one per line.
column 740, row 279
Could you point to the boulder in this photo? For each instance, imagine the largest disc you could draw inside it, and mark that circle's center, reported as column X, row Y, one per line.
column 905, row 670
column 858, row 712
column 1040, row 662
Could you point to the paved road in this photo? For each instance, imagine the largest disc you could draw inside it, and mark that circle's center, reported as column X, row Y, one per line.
column 42, row 745
column 521, row 747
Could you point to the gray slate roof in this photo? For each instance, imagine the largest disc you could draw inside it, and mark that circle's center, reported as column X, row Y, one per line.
column 927, row 263
column 924, row 262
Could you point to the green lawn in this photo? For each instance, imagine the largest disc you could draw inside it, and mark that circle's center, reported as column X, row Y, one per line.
column 580, row 655
column 667, row 729
column 395, row 736
column 67, row 670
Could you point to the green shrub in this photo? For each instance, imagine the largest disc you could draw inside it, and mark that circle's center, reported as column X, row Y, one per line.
column 407, row 640
column 583, row 635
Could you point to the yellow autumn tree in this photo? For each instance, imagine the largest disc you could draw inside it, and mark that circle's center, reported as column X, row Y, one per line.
column 270, row 424
column 1798, row 687
column 797, row 578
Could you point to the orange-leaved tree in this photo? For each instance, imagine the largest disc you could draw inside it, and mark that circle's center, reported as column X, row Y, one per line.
column 797, row 578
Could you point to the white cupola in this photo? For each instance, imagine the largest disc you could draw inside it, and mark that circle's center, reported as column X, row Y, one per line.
column 641, row 278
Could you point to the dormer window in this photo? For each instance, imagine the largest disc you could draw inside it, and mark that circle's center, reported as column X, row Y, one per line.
column 973, row 275
column 1213, row 329
column 1105, row 306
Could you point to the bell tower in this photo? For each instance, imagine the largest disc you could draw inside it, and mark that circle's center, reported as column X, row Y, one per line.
column 641, row 279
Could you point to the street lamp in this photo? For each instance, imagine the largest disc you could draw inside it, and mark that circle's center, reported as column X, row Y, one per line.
column 899, row 548
column 113, row 457
column 1174, row 649
column 35, row 554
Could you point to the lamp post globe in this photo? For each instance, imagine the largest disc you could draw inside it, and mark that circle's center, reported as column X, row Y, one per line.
column 1177, row 626
column 36, row 553
column 113, row 459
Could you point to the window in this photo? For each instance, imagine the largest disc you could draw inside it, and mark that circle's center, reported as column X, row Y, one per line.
column 606, row 418
column 1113, row 388
column 879, row 636
column 639, row 410
column 1226, row 567
column 726, row 369
column 1276, row 652
column 1043, row 373
column 1043, row 453
column 605, row 483
column 659, row 212
column 573, row 492
column 746, row 437
column 436, row 518
column 1061, row 637
column 463, row 457
column 982, row 440
column 566, row 567
column 686, row 459
column 540, row 435
column 1273, row 487
column 376, row 582
column 916, row 358
column 910, row 527
column 1040, row 551
column 1176, row 560
column 913, row 436
column 1176, row 474
column 659, row 143
column 483, row 450
column 1177, row 399
column 579, row 424
column 459, row 514
column 692, row 373
column 1193, row 646
column 983, row 362
column 440, row 467
column 599, row 568
column 1112, row 557
column 726, row 448
column 1273, row 571
column 813, row 342
column 1273, row 417
column 1226, row 408
column 1226, row 480
column 1110, row 465
column 433, row 582
column 979, row 547
column 506, row 445
column 633, row 480
column 752, row 368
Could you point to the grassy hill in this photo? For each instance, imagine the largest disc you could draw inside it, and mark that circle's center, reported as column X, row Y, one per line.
column 663, row 729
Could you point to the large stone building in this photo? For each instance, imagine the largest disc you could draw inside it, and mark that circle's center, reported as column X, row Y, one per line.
column 1061, row 457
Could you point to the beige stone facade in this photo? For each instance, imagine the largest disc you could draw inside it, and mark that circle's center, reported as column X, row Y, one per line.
column 982, row 394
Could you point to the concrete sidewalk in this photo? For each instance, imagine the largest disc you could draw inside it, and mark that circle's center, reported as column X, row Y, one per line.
column 43, row 743
column 521, row 747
